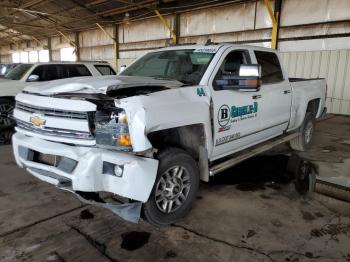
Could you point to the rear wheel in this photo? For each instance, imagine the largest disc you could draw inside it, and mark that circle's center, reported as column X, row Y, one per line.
column 6, row 110
column 303, row 141
column 175, row 188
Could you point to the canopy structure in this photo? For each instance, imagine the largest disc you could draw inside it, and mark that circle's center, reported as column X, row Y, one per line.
column 24, row 20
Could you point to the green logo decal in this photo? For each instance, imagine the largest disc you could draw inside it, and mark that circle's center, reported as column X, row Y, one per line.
column 200, row 91
column 234, row 114
column 244, row 110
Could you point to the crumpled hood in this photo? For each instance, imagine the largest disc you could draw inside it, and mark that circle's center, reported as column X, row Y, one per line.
column 93, row 85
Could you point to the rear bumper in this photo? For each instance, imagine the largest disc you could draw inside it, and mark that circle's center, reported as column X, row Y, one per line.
column 83, row 168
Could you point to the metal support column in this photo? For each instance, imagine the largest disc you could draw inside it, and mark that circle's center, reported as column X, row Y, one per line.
column 278, row 6
column 165, row 23
column 49, row 48
column 177, row 27
column 77, row 46
column 114, row 37
column 116, row 45
column 274, row 15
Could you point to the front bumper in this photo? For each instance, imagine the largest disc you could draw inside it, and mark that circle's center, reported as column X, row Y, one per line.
column 83, row 168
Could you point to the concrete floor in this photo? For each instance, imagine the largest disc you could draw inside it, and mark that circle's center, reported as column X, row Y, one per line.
column 248, row 213
column 331, row 150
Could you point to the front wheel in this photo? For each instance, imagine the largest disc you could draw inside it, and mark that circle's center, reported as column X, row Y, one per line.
column 303, row 141
column 175, row 188
column 6, row 110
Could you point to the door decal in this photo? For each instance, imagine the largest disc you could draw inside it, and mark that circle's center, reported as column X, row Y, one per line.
column 229, row 115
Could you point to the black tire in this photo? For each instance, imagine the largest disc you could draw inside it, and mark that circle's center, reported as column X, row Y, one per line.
column 305, row 178
column 304, row 140
column 6, row 109
column 169, row 159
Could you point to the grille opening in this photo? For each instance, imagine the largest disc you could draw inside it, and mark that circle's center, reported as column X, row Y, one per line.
column 47, row 130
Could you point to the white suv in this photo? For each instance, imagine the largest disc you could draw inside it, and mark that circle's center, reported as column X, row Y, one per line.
column 24, row 74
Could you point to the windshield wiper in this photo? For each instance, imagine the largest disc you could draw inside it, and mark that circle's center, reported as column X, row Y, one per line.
column 169, row 79
column 163, row 78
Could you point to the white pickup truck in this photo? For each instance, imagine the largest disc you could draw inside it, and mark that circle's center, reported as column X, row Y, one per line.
column 174, row 117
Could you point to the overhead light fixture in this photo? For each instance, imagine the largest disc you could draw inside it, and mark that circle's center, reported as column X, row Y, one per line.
column 15, row 19
column 126, row 19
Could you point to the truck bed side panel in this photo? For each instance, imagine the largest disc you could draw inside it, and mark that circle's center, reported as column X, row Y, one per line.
column 303, row 92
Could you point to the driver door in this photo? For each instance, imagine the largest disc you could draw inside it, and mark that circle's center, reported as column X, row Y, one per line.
column 235, row 113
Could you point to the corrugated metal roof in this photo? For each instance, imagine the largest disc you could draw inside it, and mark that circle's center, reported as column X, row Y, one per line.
column 28, row 19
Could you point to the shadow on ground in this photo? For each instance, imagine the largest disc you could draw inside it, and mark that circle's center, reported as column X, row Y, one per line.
column 256, row 173
column 5, row 136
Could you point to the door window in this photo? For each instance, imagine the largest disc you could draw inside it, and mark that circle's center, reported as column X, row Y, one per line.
column 105, row 70
column 271, row 71
column 47, row 72
column 230, row 67
column 75, row 71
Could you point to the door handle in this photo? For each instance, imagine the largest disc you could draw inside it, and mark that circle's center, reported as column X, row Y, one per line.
column 256, row 96
column 286, row 91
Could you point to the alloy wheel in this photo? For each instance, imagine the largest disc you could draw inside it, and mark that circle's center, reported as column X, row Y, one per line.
column 172, row 189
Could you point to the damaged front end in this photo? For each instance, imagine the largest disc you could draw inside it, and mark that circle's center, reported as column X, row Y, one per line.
column 96, row 135
column 128, row 211
column 105, row 159
column 89, row 169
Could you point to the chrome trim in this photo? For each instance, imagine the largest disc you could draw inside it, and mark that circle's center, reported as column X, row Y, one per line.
column 51, row 131
column 50, row 112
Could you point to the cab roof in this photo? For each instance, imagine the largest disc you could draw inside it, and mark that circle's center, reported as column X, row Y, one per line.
column 217, row 46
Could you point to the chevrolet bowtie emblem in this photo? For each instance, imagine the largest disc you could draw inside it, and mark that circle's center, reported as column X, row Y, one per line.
column 37, row 121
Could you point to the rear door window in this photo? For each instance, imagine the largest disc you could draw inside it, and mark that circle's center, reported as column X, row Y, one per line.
column 105, row 70
column 75, row 71
column 271, row 71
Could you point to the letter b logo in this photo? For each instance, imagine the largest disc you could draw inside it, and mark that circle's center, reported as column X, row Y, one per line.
column 224, row 115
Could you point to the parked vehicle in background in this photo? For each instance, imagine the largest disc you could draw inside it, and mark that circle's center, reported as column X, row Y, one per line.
column 25, row 74
column 5, row 68
column 175, row 116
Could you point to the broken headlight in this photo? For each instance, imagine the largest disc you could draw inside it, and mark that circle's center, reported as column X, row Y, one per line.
column 112, row 130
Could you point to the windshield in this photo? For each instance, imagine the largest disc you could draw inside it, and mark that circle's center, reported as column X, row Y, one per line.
column 18, row 72
column 186, row 66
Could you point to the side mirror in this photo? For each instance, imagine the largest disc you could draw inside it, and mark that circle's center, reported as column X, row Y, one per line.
column 33, row 78
column 248, row 80
column 250, row 71
column 122, row 68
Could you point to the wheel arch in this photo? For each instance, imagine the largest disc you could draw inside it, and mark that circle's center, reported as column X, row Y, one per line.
column 191, row 138
column 313, row 107
column 12, row 98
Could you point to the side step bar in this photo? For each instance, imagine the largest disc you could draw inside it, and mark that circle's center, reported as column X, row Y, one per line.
column 250, row 152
